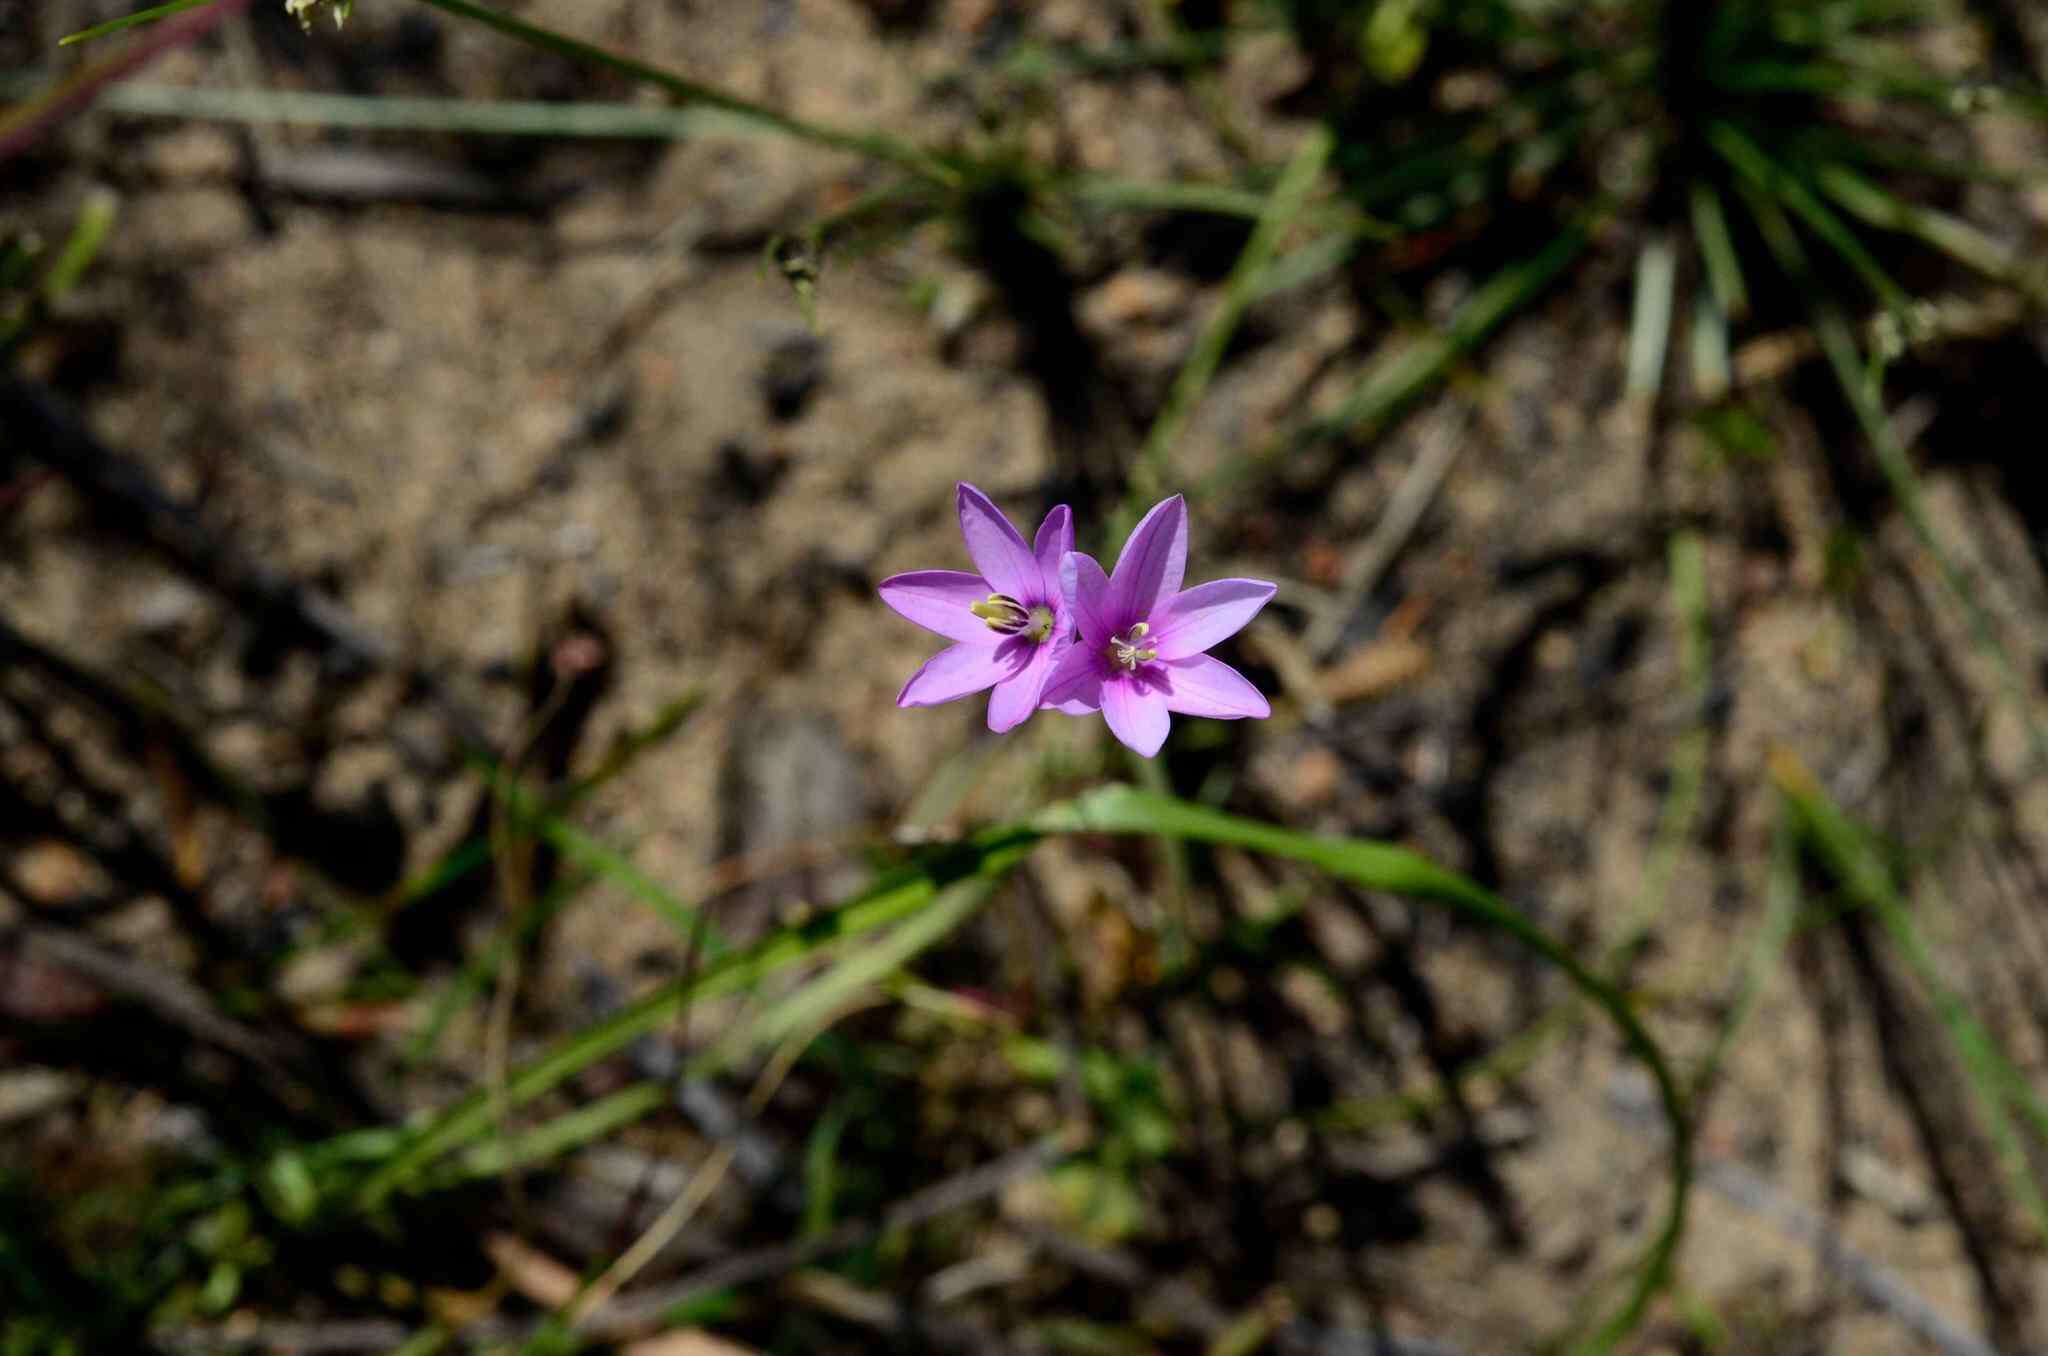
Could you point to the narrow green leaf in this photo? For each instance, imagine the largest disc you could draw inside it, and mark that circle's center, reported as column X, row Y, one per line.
column 1378, row 866
column 1649, row 331
column 1849, row 854
column 1769, row 176
column 813, row 1005
column 1290, row 194
column 135, row 20
column 876, row 145
column 1717, row 250
column 898, row 895
column 564, row 1133
column 1951, row 235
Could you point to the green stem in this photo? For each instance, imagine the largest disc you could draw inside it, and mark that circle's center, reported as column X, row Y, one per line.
column 875, row 145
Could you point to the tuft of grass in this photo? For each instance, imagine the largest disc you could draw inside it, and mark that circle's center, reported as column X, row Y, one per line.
column 1853, row 858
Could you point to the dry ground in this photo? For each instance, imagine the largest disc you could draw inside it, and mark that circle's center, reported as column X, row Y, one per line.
column 589, row 412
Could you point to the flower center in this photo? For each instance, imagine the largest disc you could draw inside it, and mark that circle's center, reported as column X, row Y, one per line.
column 1006, row 615
column 1123, row 651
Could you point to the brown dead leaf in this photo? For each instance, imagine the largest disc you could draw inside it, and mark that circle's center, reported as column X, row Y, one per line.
column 532, row 1272
column 688, row 1342
column 1373, row 670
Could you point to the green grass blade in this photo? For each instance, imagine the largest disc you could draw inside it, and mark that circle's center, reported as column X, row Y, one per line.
column 613, row 865
column 569, row 1131
column 1856, row 862
column 1649, row 331
column 1688, row 769
column 471, row 854
column 876, row 145
column 1394, row 383
column 1378, row 866
column 1717, row 251
column 490, row 117
column 82, row 246
column 126, row 21
column 1290, row 194
column 1781, row 919
column 1768, row 176
column 1859, row 387
column 897, row 896
column 811, row 1007
column 1953, row 236
column 476, row 976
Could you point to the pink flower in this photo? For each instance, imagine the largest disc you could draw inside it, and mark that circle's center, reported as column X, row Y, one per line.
column 1139, row 654
column 1010, row 621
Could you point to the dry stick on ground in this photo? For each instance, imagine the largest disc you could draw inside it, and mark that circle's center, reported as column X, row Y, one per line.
column 631, row 1315
column 626, row 1317
column 1397, row 523
column 180, row 1005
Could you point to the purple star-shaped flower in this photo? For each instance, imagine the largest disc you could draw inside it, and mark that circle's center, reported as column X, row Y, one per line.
column 1140, row 654
column 1010, row 621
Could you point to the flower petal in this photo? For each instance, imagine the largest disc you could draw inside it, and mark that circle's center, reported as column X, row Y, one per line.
column 1087, row 593
column 1149, row 569
column 962, row 670
column 1075, row 685
column 1202, row 685
column 938, row 601
column 1055, row 539
column 995, row 546
column 1136, row 712
column 1194, row 619
column 1016, row 697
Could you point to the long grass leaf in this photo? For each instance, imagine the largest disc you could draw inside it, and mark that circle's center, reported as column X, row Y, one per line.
column 569, row 1131
column 1379, row 866
column 1717, row 250
column 1649, row 330
column 493, row 117
column 1765, row 951
column 876, row 145
column 126, row 21
column 1855, row 861
column 24, row 124
column 814, row 1004
column 1950, row 234
column 1768, row 176
column 1395, row 382
column 896, row 896
column 1289, row 195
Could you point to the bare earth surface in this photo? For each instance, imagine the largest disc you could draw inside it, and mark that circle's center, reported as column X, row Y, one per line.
column 591, row 417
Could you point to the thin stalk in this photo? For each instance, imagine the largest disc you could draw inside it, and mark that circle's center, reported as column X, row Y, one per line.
column 24, row 125
column 875, row 145
column 1290, row 194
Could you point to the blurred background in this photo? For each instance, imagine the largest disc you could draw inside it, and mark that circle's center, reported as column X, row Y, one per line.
column 465, row 884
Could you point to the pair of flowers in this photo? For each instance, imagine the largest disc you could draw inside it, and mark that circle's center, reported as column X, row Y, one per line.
column 1042, row 625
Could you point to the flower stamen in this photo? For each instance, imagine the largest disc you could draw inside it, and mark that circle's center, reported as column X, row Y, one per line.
column 1124, row 651
column 1006, row 616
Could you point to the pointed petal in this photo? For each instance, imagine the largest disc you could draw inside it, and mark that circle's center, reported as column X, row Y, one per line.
column 1055, row 539
column 1075, row 685
column 1136, row 712
column 1202, row 685
column 1194, row 619
column 995, row 546
column 1150, row 567
column 960, row 671
column 938, row 601
column 1016, row 697
column 1087, row 594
